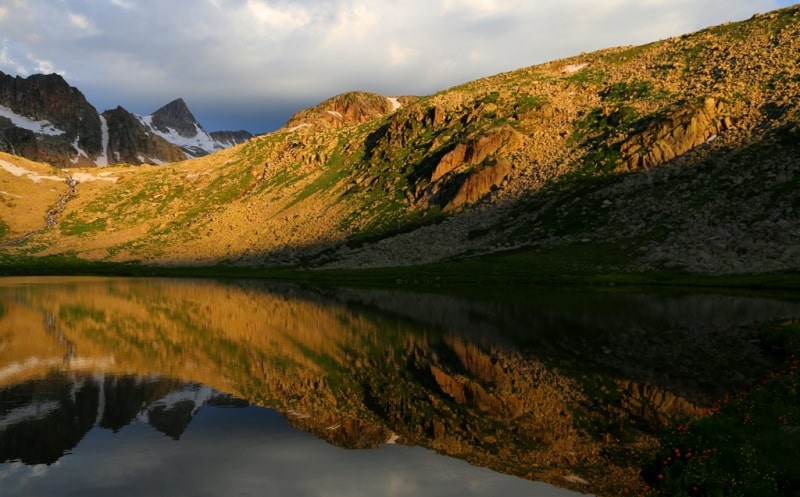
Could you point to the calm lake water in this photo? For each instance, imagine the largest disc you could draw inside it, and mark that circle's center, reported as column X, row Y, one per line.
column 113, row 386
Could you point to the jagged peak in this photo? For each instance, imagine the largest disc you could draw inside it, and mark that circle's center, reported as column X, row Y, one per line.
column 175, row 106
column 176, row 116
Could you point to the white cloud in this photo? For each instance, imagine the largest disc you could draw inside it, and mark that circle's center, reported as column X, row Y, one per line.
column 127, row 5
column 478, row 6
column 287, row 17
column 354, row 24
column 400, row 55
column 43, row 66
column 79, row 21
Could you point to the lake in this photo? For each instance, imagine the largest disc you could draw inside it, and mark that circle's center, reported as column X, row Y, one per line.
column 189, row 387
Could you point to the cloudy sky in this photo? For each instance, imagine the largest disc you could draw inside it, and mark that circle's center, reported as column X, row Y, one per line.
column 252, row 63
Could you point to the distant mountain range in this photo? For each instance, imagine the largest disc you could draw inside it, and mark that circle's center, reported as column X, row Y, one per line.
column 43, row 118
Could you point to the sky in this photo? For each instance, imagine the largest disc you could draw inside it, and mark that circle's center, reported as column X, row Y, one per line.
column 250, row 64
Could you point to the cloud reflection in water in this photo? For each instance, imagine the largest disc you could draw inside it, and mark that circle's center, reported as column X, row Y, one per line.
column 251, row 451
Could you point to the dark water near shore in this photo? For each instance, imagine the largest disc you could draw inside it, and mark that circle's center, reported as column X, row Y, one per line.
column 179, row 387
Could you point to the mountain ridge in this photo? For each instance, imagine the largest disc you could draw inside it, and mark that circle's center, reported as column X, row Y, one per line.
column 43, row 118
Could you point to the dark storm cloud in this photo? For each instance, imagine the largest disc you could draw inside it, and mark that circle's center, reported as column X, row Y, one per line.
column 260, row 56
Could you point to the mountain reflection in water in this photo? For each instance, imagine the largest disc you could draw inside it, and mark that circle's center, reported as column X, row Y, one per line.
column 568, row 388
column 87, row 435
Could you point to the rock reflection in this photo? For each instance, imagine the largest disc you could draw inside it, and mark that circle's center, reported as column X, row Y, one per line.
column 566, row 388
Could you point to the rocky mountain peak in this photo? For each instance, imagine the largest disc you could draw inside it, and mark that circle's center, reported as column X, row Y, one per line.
column 43, row 118
column 353, row 107
column 131, row 142
column 46, row 103
column 176, row 116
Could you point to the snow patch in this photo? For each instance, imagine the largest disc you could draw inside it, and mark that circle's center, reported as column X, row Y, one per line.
column 86, row 177
column 335, row 114
column 201, row 140
column 299, row 126
column 31, row 175
column 32, row 412
column 575, row 479
column 39, row 127
column 102, row 159
column 197, row 395
column 79, row 150
column 395, row 103
column 16, row 368
column 84, row 363
column 573, row 68
column 10, row 195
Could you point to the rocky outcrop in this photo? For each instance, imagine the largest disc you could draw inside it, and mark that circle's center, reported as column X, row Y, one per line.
column 479, row 183
column 348, row 108
column 476, row 150
column 347, row 433
column 656, row 407
column 131, row 142
column 675, row 134
column 473, row 168
column 472, row 394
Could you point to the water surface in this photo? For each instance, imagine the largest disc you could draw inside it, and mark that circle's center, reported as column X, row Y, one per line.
column 182, row 387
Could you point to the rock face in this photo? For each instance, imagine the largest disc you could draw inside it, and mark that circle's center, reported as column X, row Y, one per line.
column 473, row 168
column 43, row 118
column 54, row 109
column 678, row 132
column 175, row 116
column 131, row 142
column 476, row 150
column 479, row 183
